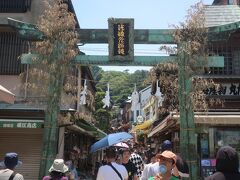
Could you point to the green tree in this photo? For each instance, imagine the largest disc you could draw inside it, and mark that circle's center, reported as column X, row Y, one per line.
column 97, row 72
column 102, row 116
column 122, row 83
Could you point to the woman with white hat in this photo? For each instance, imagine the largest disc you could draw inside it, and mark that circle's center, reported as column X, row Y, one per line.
column 57, row 171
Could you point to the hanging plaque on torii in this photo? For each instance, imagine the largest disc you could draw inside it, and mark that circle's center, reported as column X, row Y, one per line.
column 121, row 39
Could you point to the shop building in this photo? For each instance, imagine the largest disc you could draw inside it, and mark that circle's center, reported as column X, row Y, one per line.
column 22, row 123
column 221, row 124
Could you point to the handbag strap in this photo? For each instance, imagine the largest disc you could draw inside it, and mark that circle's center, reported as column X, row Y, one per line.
column 12, row 176
column 110, row 164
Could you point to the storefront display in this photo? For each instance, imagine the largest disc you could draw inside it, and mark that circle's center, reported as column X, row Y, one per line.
column 208, row 167
column 227, row 136
column 211, row 142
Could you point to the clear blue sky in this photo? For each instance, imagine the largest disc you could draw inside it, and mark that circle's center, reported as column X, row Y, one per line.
column 147, row 14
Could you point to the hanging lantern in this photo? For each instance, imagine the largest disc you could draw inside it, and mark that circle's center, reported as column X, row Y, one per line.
column 106, row 99
column 83, row 94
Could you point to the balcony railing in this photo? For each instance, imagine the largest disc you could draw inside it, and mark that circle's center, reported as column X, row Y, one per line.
column 15, row 6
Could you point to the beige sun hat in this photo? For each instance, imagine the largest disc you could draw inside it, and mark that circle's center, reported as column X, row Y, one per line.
column 59, row 166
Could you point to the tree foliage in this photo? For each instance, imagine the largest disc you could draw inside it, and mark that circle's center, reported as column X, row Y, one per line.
column 121, row 87
column 122, row 83
column 102, row 116
column 97, row 72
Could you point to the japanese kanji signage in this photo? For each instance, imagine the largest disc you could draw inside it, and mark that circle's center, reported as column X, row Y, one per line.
column 225, row 89
column 121, row 39
column 9, row 123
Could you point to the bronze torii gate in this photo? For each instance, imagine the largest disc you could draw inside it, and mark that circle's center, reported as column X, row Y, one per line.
column 121, row 37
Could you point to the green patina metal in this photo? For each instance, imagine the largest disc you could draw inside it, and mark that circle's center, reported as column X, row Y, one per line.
column 141, row 36
column 26, row 30
column 231, row 27
column 188, row 146
column 51, row 113
column 213, row 61
column 223, row 32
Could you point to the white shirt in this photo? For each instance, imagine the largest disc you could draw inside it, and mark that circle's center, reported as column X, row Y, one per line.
column 106, row 172
column 6, row 173
column 150, row 170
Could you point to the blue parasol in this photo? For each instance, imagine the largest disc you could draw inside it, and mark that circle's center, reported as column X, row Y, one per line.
column 110, row 140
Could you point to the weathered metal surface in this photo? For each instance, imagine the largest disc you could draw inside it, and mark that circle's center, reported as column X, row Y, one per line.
column 222, row 32
column 213, row 61
column 26, row 30
column 141, row 36
column 187, row 127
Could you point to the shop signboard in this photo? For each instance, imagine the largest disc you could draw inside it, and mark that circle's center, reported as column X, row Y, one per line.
column 121, row 39
column 15, row 123
column 225, row 89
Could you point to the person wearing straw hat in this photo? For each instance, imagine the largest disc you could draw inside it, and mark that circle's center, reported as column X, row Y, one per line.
column 9, row 164
column 57, row 171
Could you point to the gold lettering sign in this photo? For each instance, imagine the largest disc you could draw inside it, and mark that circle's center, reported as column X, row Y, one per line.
column 121, row 39
column 121, row 44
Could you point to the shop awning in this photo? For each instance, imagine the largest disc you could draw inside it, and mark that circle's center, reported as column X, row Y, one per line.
column 80, row 130
column 6, row 95
column 91, row 128
column 211, row 119
column 144, row 125
column 88, row 127
column 161, row 126
column 215, row 118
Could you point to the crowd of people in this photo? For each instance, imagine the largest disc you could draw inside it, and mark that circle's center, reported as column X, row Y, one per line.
column 125, row 164
column 165, row 165
column 137, row 168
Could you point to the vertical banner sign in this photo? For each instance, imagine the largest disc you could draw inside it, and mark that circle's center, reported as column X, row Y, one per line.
column 121, row 39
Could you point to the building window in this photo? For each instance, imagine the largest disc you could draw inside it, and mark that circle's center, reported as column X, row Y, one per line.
column 15, row 6
column 11, row 47
column 230, row 2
